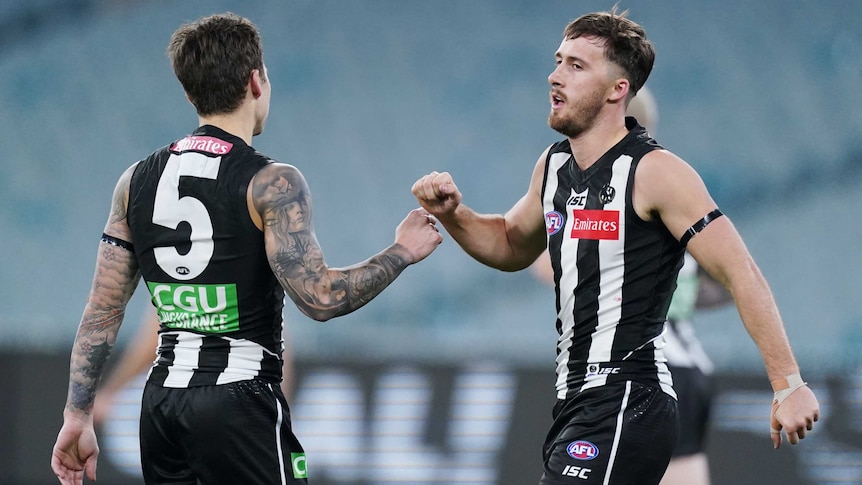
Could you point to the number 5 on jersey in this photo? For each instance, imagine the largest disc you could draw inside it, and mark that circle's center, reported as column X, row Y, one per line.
column 170, row 210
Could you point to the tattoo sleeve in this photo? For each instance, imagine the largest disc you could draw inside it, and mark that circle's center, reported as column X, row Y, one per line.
column 116, row 276
column 282, row 197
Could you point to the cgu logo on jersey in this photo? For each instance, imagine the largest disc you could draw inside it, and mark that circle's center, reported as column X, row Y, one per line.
column 595, row 224
column 582, row 450
column 203, row 308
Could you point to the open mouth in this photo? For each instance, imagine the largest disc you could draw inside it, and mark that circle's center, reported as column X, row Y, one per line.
column 556, row 101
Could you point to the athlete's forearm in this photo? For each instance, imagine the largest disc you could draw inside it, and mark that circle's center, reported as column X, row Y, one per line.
column 93, row 345
column 484, row 237
column 113, row 284
column 763, row 322
column 366, row 280
column 324, row 293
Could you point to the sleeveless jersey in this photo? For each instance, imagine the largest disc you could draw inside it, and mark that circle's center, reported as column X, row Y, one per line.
column 614, row 272
column 204, row 262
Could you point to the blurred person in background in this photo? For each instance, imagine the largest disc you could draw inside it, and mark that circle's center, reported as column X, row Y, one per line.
column 690, row 367
column 205, row 222
column 688, row 363
column 617, row 212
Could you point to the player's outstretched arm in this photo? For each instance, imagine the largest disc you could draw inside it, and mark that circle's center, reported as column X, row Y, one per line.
column 116, row 276
column 282, row 201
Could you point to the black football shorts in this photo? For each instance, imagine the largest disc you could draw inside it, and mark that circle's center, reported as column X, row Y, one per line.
column 617, row 434
column 230, row 434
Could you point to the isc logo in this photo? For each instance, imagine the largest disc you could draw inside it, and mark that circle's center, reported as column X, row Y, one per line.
column 596, row 370
column 582, row 450
column 576, row 471
column 576, row 200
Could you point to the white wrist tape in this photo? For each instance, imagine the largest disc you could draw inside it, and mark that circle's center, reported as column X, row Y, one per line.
column 795, row 382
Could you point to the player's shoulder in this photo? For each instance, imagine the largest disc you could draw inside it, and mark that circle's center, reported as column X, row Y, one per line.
column 274, row 169
column 662, row 160
column 276, row 180
column 126, row 177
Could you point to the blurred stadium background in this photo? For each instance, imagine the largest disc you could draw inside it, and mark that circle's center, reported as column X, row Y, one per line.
column 447, row 377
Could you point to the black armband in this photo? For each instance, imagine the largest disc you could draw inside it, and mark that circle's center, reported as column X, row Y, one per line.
column 699, row 225
column 113, row 241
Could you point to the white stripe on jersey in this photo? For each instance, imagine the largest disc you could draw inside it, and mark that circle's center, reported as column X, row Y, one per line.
column 243, row 361
column 185, row 362
column 611, row 284
column 568, row 279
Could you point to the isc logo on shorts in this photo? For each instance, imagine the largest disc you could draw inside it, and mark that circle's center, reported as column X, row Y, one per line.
column 582, row 450
column 576, row 471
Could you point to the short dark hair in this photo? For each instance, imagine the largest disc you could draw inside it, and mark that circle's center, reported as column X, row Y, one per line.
column 213, row 58
column 625, row 43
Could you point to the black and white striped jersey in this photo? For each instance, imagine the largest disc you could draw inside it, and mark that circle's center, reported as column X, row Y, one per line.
column 204, row 262
column 614, row 272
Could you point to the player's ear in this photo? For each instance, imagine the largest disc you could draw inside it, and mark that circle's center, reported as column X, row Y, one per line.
column 620, row 89
column 255, row 83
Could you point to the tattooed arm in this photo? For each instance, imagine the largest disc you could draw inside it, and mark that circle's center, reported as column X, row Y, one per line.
column 116, row 276
column 281, row 203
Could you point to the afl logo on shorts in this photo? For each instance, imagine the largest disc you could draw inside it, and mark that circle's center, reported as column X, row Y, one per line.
column 553, row 222
column 582, row 450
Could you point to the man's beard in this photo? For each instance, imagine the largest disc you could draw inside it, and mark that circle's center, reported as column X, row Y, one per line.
column 584, row 115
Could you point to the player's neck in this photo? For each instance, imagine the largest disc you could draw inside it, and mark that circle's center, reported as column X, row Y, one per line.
column 589, row 146
column 239, row 123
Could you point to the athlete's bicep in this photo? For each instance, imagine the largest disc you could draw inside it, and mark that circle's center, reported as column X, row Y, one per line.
column 670, row 190
column 118, row 221
column 283, row 201
column 525, row 221
column 117, row 271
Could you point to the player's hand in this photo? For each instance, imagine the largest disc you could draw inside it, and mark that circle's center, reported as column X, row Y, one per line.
column 795, row 416
column 418, row 234
column 75, row 453
column 437, row 193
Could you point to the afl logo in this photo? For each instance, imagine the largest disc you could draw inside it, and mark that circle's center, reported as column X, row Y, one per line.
column 582, row 450
column 182, row 270
column 553, row 222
